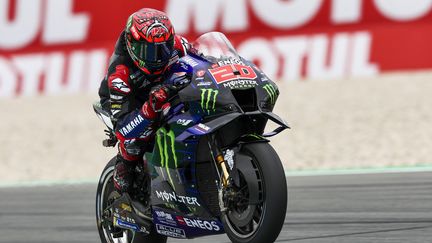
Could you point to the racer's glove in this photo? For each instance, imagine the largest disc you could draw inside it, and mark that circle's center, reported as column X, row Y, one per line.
column 157, row 103
column 158, row 98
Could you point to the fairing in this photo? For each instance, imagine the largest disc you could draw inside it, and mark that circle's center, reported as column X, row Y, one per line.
column 223, row 94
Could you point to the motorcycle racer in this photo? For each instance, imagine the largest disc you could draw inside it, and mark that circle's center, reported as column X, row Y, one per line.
column 132, row 91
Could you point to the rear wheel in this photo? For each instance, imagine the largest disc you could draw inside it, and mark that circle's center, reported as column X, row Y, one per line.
column 104, row 191
column 262, row 220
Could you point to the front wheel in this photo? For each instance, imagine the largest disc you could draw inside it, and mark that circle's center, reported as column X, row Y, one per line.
column 260, row 221
column 104, row 190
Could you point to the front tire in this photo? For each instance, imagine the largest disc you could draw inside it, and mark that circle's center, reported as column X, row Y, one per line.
column 269, row 215
column 104, row 189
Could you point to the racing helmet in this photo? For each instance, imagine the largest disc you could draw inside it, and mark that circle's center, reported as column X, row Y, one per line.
column 150, row 40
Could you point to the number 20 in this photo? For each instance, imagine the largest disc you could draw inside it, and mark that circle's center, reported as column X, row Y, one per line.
column 232, row 72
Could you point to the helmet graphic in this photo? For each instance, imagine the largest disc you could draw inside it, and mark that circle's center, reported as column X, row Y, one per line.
column 150, row 40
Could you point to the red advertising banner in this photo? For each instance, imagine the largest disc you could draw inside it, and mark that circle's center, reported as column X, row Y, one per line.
column 53, row 47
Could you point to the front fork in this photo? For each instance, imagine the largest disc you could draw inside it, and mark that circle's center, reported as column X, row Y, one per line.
column 224, row 181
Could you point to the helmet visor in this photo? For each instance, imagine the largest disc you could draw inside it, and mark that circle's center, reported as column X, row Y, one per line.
column 153, row 56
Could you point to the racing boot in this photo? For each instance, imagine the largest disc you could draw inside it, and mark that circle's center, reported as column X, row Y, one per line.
column 128, row 213
column 124, row 175
column 123, row 181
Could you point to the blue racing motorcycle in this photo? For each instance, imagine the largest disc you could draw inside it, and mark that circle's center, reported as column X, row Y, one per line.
column 212, row 170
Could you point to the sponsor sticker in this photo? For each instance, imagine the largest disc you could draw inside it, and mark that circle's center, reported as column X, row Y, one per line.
column 123, row 217
column 122, row 224
column 165, row 141
column 271, row 91
column 230, row 61
column 173, row 197
column 165, row 218
column 240, row 84
column 116, row 97
column 208, row 100
column 190, row 61
column 183, row 122
column 170, row 231
column 204, row 127
column 201, row 128
column 229, row 158
column 204, row 83
column 200, row 224
column 116, row 106
column 200, row 73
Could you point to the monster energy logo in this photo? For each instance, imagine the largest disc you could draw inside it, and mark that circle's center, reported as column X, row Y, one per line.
column 271, row 91
column 165, row 142
column 208, row 99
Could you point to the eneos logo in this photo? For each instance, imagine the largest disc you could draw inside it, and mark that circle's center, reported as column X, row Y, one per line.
column 197, row 223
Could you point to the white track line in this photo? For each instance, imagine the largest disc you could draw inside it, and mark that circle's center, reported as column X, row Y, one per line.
column 329, row 172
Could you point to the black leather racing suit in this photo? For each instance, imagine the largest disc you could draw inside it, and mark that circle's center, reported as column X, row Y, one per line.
column 123, row 92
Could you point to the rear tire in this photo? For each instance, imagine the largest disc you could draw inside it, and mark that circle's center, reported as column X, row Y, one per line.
column 104, row 189
column 269, row 216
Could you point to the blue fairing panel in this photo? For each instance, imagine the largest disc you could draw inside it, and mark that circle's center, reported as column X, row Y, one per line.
column 208, row 127
column 184, row 69
column 182, row 227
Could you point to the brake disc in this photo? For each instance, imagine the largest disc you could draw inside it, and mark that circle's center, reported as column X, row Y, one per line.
column 241, row 219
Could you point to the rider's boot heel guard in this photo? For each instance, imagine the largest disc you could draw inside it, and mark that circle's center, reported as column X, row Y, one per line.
column 126, row 217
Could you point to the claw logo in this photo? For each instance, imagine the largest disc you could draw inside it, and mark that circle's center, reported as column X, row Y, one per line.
column 271, row 91
column 208, row 100
column 165, row 144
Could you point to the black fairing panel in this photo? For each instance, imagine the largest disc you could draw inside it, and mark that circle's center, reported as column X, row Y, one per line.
column 208, row 96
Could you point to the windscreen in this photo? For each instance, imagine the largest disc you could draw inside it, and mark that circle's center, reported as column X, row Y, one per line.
column 216, row 45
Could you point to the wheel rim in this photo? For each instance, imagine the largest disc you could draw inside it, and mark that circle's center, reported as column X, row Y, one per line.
column 259, row 211
column 101, row 203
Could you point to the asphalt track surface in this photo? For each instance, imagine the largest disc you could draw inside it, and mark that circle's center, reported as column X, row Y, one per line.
column 394, row 207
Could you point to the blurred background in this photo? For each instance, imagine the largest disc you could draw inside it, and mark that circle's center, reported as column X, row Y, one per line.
column 355, row 79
